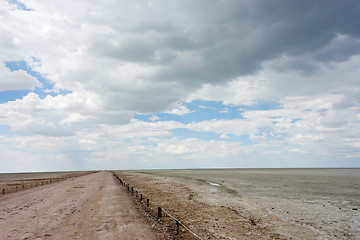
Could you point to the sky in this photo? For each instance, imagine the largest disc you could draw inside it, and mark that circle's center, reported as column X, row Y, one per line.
column 118, row 84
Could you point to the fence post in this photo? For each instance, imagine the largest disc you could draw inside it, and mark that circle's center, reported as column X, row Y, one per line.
column 147, row 203
column 159, row 212
column 141, row 198
column 177, row 227
column 132, row 189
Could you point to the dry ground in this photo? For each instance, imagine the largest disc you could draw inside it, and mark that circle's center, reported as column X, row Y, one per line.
column 10, row 183
column 208, row 217
column 94, row 206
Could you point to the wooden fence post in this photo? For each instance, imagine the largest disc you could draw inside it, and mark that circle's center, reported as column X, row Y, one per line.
column 177, row 227
column 159, row 212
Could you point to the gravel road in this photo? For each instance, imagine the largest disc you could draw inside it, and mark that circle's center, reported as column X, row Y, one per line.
column 88, row 207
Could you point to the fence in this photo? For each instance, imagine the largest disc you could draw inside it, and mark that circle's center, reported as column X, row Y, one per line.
column 15, row 187
column 159, row 209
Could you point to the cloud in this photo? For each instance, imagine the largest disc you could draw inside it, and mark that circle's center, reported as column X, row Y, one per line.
column 58, row 115
column 121, row 58
column 16, row 80
column 180, row 110
column 124, row 54
column 224, row 136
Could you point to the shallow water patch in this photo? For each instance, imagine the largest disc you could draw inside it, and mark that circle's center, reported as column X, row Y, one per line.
column 214, row 184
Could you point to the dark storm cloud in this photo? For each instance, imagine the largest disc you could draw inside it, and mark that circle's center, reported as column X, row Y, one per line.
column 215, row 41
column 257, row 31
column 186, row 44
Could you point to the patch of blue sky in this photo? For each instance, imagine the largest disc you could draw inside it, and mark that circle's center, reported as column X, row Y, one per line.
column 199, row 111
column 12, row 95
column 295, row 120
column 45, row 90
column 210, row 136
column 19, row 5
column 5, row 130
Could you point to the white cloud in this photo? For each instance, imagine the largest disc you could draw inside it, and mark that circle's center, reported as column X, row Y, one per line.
column 145, row 59
column 180, row 110
column 174, row 148
column 224, row 136
column 118, row 58
column 59, row 115
column 16, row 80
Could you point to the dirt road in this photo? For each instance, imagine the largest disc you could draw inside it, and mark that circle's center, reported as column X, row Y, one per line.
column 89, row 207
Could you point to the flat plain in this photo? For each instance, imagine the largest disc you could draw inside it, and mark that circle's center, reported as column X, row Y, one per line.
column 257, row 203
column 214, row 204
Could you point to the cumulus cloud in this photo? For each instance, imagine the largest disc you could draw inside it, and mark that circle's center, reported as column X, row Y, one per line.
column 180, row 110
column 224, row 136
column 59, row 115
column 119, row 58
column 123, row 50
column 17, row 80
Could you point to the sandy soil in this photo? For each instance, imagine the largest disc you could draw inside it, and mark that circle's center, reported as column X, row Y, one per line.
column 94, row 206
column 14, row 182
column 209, row 216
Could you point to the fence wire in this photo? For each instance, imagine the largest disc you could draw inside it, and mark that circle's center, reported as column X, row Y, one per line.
column 148, row 207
